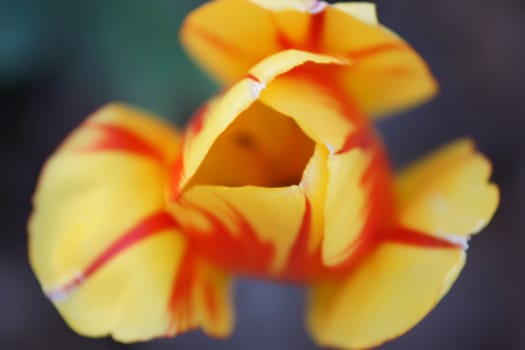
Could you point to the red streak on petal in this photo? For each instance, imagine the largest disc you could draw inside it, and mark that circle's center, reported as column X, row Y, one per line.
column 376, row 50
column 378, row 169
column 380, row 207
column 298, row 265
column 197, row 120
column 363, row 139
column 317, row 22
column 212, row 304
column 254, row 78
column 220, row 44
column 329, row 83
column 241, row 251
column 148, row 227
column 180, row 304
column 177, row 169
column 313, row 38
column 415, row 238
column 116, row 138
column 283, row 41
column 177, row 173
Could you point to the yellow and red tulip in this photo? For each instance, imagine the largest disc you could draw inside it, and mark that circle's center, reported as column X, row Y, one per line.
column 138, row 229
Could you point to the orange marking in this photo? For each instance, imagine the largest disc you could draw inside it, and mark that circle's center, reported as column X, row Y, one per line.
column 211, row 302
column 298, row 264
column 177, row 173
column 220, row 44
column 362, row 138
column 318, row 74
column 117, row 138
column 418, row 239
column 376, row 50
column 197, row 120
column 148, row 227
column 282, row 40
column 194, row 128
column 314, row 38
column 254, row 78
column 380, row 207
column 180, row 304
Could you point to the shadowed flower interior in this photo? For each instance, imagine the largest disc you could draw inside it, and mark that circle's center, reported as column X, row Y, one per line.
column 262, row 147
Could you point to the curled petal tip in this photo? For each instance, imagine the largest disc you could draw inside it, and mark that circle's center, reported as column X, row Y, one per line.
column 256, row 85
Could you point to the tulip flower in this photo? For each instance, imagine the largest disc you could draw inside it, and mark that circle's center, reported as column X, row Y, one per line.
column 383, row 75
column 138, row 230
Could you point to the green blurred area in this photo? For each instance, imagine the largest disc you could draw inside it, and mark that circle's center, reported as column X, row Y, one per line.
column 126, row 50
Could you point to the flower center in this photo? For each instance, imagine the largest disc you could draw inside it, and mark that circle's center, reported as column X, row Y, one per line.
column 262, row 147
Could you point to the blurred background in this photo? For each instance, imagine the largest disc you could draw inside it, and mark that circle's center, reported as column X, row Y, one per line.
column 61, row 59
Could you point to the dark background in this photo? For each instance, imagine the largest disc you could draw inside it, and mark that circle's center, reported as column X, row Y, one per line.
column 61, row 59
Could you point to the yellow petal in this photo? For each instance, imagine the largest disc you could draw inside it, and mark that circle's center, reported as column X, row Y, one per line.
column 111, row 300
column 101, row 244
column 237, row 103
column 347, row 204
column 246, row 229
column 200, row 296
column 448, row 192
column 214, row 301
column 387, row 78
column 106, row 162
column 359, row 202
column 389, row 293
column 322, row 114
column 117, row 127
column 363, row 11
column 386, row 74
column 228, row 37
column 314, row 185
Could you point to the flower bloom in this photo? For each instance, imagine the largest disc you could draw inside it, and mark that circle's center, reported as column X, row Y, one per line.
column 138, row 230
